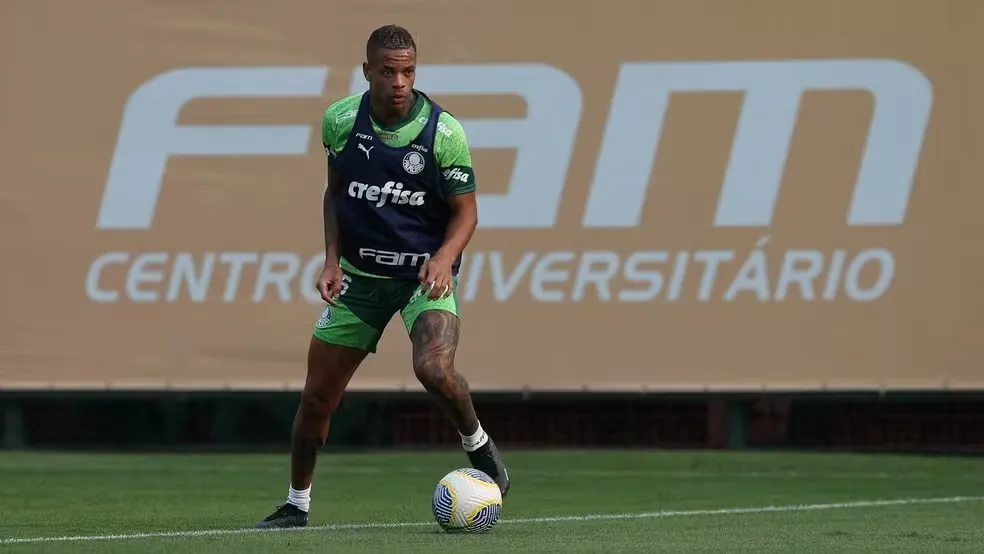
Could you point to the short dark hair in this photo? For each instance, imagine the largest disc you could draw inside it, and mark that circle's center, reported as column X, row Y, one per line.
column 389, row 37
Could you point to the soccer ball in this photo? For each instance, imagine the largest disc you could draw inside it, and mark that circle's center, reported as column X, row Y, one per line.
column 467, row 500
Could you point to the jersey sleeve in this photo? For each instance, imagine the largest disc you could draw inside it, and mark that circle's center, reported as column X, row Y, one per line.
column 336, row 124
column 453, row 156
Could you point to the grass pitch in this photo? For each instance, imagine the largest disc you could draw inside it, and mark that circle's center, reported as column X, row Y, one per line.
column 571, row 501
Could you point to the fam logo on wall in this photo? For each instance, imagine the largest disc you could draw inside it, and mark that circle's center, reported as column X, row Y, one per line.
column 772, row 94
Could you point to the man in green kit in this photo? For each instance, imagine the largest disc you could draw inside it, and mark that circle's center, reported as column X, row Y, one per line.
column 399, row 209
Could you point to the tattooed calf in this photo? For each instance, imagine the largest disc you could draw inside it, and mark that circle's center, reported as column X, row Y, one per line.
column 435, row 339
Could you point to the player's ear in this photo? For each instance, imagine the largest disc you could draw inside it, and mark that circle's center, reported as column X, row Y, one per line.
column 365, row 70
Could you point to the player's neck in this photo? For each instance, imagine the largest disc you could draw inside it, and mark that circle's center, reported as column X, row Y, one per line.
column 388, row 116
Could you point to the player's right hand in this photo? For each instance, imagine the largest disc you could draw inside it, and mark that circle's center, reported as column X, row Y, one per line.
column 330, row 283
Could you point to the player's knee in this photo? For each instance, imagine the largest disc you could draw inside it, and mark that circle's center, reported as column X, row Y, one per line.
column 433, row 372
column 318, row 405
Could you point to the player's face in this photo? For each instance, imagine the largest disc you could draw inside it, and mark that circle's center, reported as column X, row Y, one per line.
column 390, row 74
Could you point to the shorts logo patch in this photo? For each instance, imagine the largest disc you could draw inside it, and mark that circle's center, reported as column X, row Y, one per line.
column 413, row 163
column 325, row 319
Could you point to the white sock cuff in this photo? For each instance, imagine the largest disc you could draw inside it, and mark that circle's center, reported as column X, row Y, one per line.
column 299, row 498
column 474, row 441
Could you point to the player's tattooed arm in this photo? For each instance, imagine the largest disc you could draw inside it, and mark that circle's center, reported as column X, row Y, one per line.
column 329, row 283
column 461, row 227
column 454, row 158
column 330, row 218
column 435, row 339
column 435, row 274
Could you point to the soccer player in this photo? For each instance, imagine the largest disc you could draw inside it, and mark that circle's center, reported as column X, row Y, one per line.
column 399, row 210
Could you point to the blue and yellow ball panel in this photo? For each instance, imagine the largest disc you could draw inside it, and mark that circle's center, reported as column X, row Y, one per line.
column 443, row 504
column 446, row 508
column 485, row 517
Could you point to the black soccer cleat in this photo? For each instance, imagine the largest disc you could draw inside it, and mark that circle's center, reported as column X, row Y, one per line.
column 285, row 516
column 488, row 460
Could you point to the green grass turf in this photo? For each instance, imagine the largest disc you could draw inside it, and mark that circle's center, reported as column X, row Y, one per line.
column 51, row 495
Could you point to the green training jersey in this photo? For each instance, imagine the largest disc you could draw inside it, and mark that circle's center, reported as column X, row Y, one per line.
column 450, row 144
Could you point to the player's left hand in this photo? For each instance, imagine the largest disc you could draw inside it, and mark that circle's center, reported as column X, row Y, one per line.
column 435, row 278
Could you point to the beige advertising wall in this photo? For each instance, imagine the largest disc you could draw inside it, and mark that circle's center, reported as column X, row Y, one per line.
column 675, row 195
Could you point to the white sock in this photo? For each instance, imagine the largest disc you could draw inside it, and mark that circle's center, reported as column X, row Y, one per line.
column 301, row 499
column 474, row 441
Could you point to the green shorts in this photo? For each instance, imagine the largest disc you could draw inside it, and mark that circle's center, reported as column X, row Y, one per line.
column 367, row 304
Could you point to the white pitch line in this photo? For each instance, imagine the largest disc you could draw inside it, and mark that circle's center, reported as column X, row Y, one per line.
column 554, row 519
